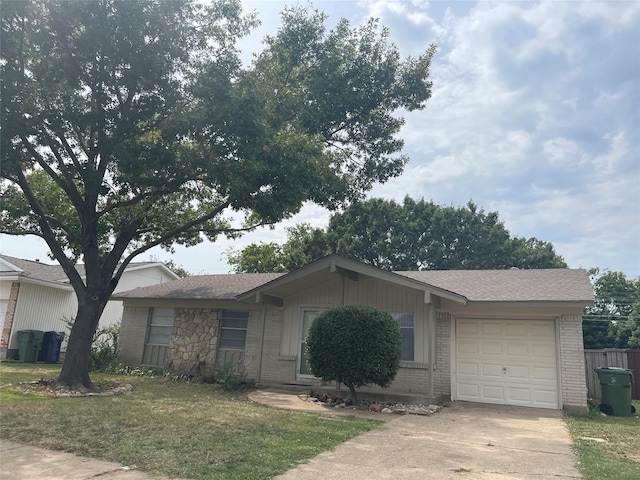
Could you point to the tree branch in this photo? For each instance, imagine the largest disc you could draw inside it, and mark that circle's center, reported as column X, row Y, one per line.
column 49, row 236
column 73, row 193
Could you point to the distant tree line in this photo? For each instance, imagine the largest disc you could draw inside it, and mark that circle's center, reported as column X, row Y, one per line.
column 614, row 320
column 412, row 235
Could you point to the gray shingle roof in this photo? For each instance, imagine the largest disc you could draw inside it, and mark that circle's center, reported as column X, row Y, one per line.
column 555, row 285
column 559, row 285
column 38, row 270
column 215, row 287
column 46, row 272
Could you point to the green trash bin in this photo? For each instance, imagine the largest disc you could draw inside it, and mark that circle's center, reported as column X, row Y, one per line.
column 29, row 343
column 616, row 391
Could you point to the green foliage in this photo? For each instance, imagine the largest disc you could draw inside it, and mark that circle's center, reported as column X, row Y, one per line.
column 104, row 351
column 414, row 235
column 133, row 124
column 356, row 345
column 104, row 348
column 614, row 319
column 231, row 375
column 304, row 245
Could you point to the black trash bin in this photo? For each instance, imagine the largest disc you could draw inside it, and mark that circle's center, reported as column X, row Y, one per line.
column 50, row 350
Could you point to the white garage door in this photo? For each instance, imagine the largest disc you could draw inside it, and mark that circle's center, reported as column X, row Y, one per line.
column 508, row 362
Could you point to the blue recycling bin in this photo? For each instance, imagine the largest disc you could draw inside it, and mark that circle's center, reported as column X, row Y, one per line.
column 50, row 349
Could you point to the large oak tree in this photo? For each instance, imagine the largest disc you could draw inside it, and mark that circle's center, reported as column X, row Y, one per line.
column 133, row 124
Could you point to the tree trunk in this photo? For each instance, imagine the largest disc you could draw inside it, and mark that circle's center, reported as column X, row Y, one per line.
column 352, row 394
column 75, row 369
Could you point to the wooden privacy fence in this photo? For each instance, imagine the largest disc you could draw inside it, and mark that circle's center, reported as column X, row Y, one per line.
column 611, row 357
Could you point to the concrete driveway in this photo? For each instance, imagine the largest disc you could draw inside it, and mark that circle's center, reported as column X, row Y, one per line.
column 464, row 441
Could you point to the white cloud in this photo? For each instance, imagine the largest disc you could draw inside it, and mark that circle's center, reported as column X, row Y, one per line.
column 534, row 114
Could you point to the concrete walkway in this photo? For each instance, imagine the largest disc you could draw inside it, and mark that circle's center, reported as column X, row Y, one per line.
column 464, row 441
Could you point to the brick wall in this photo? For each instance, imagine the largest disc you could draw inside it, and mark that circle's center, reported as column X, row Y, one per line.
column 8, row 318
column 133, row 331
column 442, row 373
column 276, row 368
column 573, row 382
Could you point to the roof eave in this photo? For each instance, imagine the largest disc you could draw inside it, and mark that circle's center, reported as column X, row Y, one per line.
column 533, row 303
column 37, row 281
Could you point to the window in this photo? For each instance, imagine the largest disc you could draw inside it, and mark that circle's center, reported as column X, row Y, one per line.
column 156, row 349
column 160, row 324
column 233, row 330
column 405, row 321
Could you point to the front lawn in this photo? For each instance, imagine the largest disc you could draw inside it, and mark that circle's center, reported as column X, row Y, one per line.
column 608, row 447
column 170, row 428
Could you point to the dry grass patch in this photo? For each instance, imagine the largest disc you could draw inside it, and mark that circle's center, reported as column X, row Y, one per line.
column 174, row 429
column 608, row 447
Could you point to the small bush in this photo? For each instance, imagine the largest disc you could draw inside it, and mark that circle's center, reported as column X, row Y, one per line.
column 104, row 350
column 231, row 375
column 356, row 345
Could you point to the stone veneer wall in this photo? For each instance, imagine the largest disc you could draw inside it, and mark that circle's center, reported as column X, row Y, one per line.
column 194, row 339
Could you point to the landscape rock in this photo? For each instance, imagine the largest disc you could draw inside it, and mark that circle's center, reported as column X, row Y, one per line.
column 376, row 407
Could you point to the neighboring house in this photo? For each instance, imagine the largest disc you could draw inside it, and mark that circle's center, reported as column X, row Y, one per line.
column 38, row 296
column 509, row 337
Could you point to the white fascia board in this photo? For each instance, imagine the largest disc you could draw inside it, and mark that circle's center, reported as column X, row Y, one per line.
column 10, row 266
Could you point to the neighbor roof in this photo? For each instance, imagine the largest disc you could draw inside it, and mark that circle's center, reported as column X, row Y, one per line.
column 36, row 270
column 548, row 285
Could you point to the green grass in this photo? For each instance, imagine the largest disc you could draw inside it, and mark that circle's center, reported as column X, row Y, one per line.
column 618, row 455
column 170, row 428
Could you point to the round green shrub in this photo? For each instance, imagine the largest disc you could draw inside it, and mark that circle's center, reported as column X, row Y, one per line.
column 356, row 345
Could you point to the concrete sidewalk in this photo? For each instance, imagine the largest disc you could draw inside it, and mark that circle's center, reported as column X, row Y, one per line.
column 22, row 462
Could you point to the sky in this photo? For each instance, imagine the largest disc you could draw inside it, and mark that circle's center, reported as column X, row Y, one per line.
column 535, row 114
